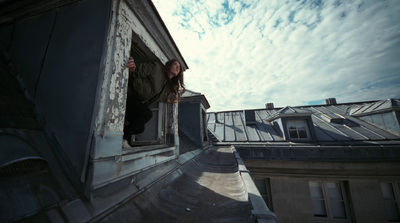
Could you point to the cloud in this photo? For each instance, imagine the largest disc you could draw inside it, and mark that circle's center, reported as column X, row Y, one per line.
column 242, row 55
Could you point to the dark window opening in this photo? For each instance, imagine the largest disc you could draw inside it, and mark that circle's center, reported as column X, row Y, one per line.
column 204, row 121
column 155, row 129
column 263, row 186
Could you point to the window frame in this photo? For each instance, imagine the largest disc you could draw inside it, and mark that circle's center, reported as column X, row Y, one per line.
column 328, row 202
column 266, row 195
column 396, row 193
column 307, row 130
column 161, row 110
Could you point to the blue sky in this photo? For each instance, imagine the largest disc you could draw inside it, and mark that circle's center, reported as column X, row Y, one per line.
column 244, row 54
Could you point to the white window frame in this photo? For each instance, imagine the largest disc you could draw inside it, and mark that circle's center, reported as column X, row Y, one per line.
column 328, row 201
column 299, row 125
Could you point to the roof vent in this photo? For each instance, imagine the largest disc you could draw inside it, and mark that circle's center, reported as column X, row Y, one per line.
column 23, row 167
column 19, row 158
column 269, row 106
column 330, row 101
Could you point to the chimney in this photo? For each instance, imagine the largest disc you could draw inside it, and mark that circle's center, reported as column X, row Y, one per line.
column 269, row 106
column 330, row 101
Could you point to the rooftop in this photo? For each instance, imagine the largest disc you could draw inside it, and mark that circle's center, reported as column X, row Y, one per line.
column 334, row 123
column 208, row 188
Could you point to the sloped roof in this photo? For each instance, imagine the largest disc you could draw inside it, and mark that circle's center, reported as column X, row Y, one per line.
column 189, row 95
column 208, row 188
column 290, row 112
column 332, row 123
column 375, row 107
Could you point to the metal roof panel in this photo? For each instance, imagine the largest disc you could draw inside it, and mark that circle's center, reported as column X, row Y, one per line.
column 229, row 128
column 252, row 133
column 238, row 121
column 332, row 123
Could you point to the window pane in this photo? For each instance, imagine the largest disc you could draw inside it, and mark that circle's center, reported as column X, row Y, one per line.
column 291, row 124
column 316, row 190
column 392, row 211
column 338, row 209
column 387, row 191
column 302, row 134
column 260, row 184
column 334, row 191
column 319, row 208
column 325, row 194
column 293, row 134
column 264, row 189
column 301, row 124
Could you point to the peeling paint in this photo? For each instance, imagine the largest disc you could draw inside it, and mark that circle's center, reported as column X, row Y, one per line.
column 115, row 97
column 119, row 77
column 137, row 27
column 107, row 167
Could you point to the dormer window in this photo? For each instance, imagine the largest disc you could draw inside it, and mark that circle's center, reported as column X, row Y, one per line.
column 297, row 129
column 294, row 123
column 193, row 118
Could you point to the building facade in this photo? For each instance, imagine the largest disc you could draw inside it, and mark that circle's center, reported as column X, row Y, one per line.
column 323, row 163
column 63, row 95
column 63, row 90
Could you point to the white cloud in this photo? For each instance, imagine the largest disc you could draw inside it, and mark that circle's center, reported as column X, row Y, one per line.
column 287, row 53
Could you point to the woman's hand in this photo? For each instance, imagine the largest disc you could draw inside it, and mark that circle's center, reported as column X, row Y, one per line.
column 131, row 64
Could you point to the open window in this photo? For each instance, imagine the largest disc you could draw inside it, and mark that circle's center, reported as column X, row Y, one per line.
column 155, row 129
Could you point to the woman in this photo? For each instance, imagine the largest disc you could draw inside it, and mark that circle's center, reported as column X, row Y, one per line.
column 150, row 83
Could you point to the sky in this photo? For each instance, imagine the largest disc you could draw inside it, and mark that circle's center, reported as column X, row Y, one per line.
column 243, row 54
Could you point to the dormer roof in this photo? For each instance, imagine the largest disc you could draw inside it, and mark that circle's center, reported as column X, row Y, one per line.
column 189, row 95
column 289, row 111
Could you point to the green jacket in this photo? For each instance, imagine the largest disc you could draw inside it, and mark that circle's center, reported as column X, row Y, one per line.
column 148, row 83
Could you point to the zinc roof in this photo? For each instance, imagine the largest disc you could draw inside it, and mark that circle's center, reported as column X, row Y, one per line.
column 208, row 188
column 332, row 123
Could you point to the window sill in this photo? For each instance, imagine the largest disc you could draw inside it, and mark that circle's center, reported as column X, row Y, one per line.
column 142, row 148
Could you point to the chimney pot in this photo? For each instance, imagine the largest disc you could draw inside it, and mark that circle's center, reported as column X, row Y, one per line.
column 330, row 101
column 269, row 106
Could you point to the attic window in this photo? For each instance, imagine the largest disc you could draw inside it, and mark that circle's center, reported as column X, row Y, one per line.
column 155, row 129
column 297, row 129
